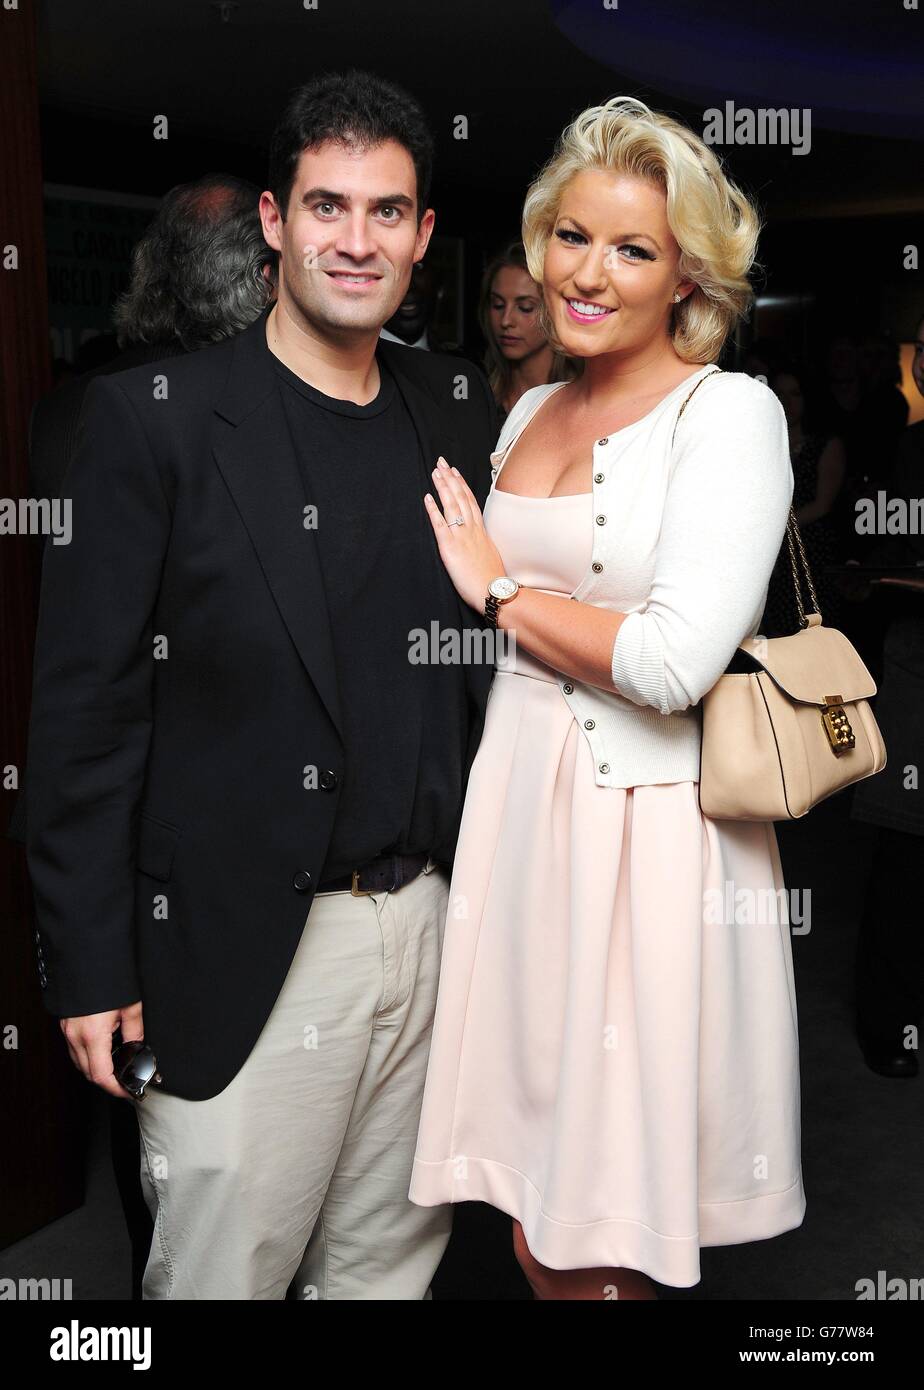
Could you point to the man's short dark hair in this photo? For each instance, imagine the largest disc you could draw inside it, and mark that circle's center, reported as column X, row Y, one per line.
column 356, row 109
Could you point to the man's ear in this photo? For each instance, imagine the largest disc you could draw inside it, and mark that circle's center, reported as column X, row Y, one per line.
column 424, row 233
column 272, row 221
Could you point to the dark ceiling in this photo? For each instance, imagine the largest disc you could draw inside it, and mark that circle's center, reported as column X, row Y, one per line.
column 517, row 69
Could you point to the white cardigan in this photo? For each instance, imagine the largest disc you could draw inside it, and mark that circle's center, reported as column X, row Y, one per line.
column 685, row 540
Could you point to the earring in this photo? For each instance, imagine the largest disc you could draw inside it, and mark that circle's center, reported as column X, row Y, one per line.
column 676, row 298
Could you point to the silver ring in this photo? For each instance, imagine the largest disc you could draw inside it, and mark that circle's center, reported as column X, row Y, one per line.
column 459, row 521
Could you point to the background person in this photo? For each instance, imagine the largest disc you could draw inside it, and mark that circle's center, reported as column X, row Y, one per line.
column 518, row 355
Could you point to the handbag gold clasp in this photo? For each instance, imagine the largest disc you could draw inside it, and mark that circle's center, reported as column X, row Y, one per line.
column 837, row 725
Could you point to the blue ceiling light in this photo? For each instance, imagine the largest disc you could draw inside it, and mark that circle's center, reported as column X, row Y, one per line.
column 856, row 67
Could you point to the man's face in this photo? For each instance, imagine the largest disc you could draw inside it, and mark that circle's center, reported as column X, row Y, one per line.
column 413, row 313
column 350, row 237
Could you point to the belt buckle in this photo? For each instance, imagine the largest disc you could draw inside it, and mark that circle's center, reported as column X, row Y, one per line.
column 359, row 892
column 366, row 892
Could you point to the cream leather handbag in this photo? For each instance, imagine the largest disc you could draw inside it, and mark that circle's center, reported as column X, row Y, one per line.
column 789, row 722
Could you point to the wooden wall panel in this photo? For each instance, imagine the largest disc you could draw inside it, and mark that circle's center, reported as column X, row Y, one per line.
column 43, row 1100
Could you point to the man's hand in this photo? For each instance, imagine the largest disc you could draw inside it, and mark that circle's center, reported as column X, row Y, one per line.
column 89, row 1041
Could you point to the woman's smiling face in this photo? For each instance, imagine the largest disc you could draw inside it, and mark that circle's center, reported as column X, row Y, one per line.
column 613, row 256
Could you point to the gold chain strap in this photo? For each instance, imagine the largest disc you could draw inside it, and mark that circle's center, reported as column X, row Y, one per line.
column 792, row 529
column 714, row 371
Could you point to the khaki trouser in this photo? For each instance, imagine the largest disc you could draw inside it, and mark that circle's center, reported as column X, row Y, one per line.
column 301, row 1165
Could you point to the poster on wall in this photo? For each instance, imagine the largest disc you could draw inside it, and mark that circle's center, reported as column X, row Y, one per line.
column 89, row 234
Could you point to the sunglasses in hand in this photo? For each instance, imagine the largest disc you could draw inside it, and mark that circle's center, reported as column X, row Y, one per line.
column 135, row 1067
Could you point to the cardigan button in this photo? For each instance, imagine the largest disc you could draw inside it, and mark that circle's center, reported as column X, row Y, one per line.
column 568, row 688
column 604, row 767
column 597, row 567
column 599, row 477
column 589, row 724
column 601, row 520
column 604, row 440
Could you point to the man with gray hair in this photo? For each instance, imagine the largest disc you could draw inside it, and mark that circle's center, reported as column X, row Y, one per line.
column 201, row 272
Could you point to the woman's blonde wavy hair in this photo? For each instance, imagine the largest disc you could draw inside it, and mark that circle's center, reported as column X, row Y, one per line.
column 715, row 224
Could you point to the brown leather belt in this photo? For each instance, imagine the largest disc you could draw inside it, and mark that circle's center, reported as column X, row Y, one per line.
column 382, row 875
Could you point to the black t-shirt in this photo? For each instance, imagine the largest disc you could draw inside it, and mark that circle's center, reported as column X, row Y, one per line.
column 406, row 725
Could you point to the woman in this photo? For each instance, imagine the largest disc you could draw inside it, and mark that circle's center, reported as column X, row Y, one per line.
column 518, row 354
column 614, row 1058
column 819, row 464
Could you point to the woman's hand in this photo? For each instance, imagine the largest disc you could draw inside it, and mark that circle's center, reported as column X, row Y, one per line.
column 471, row 558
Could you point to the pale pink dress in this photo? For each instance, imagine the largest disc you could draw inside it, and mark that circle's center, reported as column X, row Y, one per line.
column 611, row 1062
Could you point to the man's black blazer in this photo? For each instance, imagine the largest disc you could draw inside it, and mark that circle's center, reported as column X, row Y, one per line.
column 173, row 846
column 52, row 435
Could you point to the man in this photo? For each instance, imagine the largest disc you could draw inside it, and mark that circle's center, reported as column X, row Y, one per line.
column 410, row 323
column 244, row 796
column 201, row 272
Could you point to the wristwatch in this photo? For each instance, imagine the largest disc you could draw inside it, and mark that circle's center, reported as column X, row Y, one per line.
column 500, row 591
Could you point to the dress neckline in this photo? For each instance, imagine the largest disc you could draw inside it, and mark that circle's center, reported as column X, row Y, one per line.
column 623, row 429
column 522, row 497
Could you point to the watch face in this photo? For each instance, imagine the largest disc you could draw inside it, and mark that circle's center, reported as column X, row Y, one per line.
column 503, row 588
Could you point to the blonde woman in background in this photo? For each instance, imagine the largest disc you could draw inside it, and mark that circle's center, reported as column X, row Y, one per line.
column 518, row 355
column 614, row 1059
